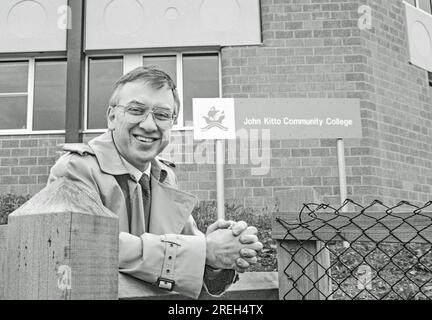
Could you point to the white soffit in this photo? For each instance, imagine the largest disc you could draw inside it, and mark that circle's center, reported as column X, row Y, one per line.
column 115, row 24
column 29, row 25
column 419, row 26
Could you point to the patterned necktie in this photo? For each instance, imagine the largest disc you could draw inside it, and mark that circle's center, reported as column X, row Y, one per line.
column 145, row 186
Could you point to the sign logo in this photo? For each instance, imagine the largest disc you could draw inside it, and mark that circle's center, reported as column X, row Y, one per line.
column 214, row 119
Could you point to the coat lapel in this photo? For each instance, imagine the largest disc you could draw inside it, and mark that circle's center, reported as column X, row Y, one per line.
column 107, row 154
column 170, row 208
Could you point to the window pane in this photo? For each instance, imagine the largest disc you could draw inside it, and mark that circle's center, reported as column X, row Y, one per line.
column 103, row 73
column 14, row 112
column 13, row 77
column 49, row 95
column 425, row 5
column 411, row 2
column 200, row 80
column 167, row 64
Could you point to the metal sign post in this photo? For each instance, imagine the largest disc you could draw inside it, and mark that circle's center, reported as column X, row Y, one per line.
column 342, row 170
column 342, row 178
column 220, row 185
column 214, row 119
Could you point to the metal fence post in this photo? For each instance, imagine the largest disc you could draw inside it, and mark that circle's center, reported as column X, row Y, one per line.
column 62, row 244
column 305, row 277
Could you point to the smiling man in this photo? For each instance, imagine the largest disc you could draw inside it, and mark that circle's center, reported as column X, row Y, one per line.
column 159, row 240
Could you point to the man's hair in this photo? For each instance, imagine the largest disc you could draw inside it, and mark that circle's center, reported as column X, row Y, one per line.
column 151, row 75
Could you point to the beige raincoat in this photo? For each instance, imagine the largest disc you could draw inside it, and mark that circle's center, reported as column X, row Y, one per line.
column 174, row 248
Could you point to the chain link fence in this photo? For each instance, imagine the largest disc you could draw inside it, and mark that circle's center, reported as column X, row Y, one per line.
column 354, row 252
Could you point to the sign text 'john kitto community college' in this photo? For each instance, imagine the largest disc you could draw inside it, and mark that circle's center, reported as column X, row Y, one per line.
column 283, row 118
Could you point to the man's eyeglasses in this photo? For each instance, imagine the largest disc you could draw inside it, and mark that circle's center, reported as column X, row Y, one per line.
column 135, row 113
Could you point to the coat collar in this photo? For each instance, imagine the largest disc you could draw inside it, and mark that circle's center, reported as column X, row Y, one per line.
column 110, row 160
column 170, row 209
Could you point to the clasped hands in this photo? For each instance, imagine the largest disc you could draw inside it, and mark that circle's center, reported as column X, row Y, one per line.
column 232, row 245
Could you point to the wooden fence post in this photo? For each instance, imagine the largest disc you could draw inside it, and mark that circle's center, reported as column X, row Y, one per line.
column 304, row 278
column 3, row 251
column 62, row 244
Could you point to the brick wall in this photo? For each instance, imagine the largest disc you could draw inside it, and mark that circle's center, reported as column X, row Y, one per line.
column 311, row 49
column 398, row 107
column 25, row 162
column 195, row 160
column 315, row 49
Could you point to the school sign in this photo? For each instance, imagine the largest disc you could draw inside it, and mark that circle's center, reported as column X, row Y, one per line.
column 284, row 118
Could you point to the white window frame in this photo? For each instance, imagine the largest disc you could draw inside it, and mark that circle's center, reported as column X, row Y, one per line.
column 30, row 98
column 134, row 60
